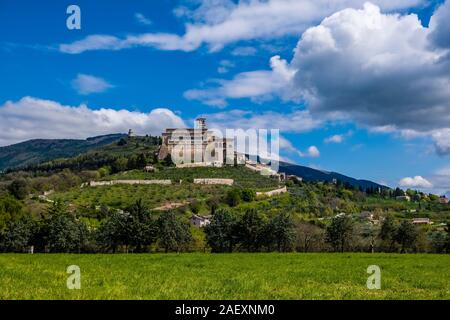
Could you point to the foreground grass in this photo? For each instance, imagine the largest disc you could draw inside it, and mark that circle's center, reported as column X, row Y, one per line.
column 226, row 276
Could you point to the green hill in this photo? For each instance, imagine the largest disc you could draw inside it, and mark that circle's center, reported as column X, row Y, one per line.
column 40, row 150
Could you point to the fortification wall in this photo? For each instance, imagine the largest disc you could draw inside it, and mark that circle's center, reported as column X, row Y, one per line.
column 228, row 182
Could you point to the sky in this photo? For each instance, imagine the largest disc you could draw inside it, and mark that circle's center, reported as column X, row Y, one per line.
column 360, row 88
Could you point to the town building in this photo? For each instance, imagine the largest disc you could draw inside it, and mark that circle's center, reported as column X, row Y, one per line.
column 403, row 198
column 200, row 221
column 443, row 200
column 422, row 221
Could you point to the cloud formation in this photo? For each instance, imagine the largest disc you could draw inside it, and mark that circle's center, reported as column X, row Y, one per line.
column 338, row 138
column 217, row 23
column 141, row 19
column 386, row 72
column 86, row 84
column 33, row 118
column 257, row 85
column 415, row 182
column 297, row 121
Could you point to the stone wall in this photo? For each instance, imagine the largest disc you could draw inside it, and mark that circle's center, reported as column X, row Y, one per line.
column 113, row 182
column 228, row 182
column 272, row 192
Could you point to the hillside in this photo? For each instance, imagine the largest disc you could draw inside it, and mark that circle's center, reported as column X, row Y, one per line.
column 313, row 175
column 33, row 152
column 41, row 150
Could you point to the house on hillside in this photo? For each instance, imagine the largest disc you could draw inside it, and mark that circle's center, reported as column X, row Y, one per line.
column 198, row 146
column 422, row 221
column 200, row 221
column 403, row 198
column 443, row 200
column 149, row 168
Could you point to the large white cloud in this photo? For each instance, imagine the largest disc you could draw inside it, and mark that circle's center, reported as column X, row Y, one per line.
column 220, row 22
column 379, row 69
column 415, row 182
column 32, row 118
column 387, row 72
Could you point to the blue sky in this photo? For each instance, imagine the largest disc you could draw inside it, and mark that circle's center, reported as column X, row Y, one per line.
column 153, row 64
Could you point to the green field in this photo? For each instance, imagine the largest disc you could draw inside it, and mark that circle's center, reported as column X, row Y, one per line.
column 226, row 276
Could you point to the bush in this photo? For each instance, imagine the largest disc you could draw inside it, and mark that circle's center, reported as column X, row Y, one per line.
column 19, row 189
column 233, row 197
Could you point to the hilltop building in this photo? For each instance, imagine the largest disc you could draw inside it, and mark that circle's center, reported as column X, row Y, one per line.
column 197, row 146
column 443, row 200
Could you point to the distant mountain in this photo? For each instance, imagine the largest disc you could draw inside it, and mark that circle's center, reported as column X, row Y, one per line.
column 41, row 150
column 313, row 175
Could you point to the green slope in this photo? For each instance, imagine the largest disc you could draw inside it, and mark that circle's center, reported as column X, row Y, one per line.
column 41, row 150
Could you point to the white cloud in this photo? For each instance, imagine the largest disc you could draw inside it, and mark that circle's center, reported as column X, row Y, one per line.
column 386, row 72
column 377, row 69
column 415, row 182
column 244, row 51
column 140, row 18
column 286, row 145
column 85, row 84
column 297, row 121
column 337, row 138
column 257, row 85
column 225, row 66
column 313, row 152
column 32, row 118
column 442, row 141
column 217, row 23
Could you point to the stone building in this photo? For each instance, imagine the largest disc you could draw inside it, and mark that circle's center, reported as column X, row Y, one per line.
column 197, row 146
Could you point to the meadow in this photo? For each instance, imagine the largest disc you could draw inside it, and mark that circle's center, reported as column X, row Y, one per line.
column 225, row 276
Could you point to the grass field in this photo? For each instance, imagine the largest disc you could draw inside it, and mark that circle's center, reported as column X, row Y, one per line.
column 226, row 276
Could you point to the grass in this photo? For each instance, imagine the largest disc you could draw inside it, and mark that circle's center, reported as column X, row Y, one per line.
column 122, row 196
column 225, row 276
column 242, row 176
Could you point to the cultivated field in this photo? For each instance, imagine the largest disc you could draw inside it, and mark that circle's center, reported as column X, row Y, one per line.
column 225, row 276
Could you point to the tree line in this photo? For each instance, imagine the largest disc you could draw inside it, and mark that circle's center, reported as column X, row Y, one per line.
column 138, row 229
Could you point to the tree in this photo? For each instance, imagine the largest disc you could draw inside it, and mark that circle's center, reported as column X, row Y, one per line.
column 122, row 142
column 19, row 189
column 399, row 192
column 233, row 197
column 114, row 231
column 438, row 241
column 141, row 161
column 309, row 237
column 248, row 195
column 174, row 235
column 63, row 234
column 281, row 229
column 387, row 232
column 141, row 226
column 447, row 246
column 251, row 230
column 339, row 232
column 406, row 235
column 220, row 233
column 120, row 164
column 17, row 235
column 10, row 209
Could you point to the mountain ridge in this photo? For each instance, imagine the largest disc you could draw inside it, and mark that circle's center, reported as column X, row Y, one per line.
column 37, row 151
column 40, row 150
